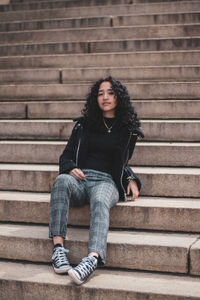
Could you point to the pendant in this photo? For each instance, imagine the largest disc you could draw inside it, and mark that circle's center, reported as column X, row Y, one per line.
column 109, row 131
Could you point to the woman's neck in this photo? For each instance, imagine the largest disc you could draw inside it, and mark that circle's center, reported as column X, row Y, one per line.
column 108, row 115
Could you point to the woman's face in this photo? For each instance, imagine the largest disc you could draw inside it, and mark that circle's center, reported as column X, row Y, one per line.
column 107, row 99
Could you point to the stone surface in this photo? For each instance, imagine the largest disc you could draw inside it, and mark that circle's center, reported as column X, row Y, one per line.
column 101, row 46
column 133, row 250
column 40, row 282
column 149, row 213
column 147, row 109
column 154, row 130
column 195, row 258
column 145, row 153
column 90, row 34
column 149, row 58
column 168, row 182
column 137, row 90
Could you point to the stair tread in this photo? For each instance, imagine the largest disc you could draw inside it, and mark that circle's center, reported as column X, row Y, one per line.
column 188, row 203
column 163, row 239
column 138, row 282
column 147, row 170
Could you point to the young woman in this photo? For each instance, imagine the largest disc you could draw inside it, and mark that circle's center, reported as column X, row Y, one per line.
column 94, row 170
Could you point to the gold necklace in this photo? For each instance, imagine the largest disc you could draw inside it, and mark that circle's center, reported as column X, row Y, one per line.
column 108, row 128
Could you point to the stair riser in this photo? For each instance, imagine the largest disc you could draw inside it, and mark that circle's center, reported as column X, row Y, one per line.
column 68, row 4
column 103, row 60
column 173, row 185
column 89, row 75
column 113, row 21
column 120, row 255
column 147, row 155
column 102, row 46
column 145, row 109
column 149, row 218
column 60, row 36
column 153, row 8
column 168, row 90
column 154, row 131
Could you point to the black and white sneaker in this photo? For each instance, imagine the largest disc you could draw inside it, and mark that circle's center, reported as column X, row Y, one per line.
column 60, row 262
column 81, row 272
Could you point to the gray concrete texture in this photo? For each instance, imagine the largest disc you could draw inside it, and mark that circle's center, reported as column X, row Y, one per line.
column 103, row 34
column 159, row 181
column 145, row 154
column 73, row 75
column 39, row 280
column 152, row 109
column 155, row 130
column 146, row 213
column 101, row 21
column 133, row 250
column 137, row 90
column 156, row 44
column 136, row 6
column 103, row 60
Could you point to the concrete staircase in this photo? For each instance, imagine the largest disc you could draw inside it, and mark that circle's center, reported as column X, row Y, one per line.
column 50, row 52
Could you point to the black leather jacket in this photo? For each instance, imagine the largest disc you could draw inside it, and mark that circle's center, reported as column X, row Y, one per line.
column 75, row 153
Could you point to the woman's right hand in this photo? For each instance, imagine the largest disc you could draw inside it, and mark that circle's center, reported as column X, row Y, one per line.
column 77, row 173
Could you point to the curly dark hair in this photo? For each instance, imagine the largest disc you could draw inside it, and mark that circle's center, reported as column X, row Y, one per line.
column 124, row 113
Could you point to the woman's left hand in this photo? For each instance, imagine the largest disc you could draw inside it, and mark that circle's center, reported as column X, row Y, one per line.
column 132, row 187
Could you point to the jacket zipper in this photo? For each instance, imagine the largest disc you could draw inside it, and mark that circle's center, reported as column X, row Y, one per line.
column 123, row 168
column 77, row 151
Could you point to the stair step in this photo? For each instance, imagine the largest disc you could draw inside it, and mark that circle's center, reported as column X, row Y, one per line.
column 132, row 250
column 96, row 11
column 154, row 130
column 42, row 5
column 40, row 282
column 145, row 154
column 145, row 213
column 138, row 91
column 129, row 59
column 71, row 75
column 157, row 44
column 157, row 181
column 106, row 33
column 146, row 109
column 108, row 21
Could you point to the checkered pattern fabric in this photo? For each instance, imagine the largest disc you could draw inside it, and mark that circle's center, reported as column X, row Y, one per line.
column 99, row 190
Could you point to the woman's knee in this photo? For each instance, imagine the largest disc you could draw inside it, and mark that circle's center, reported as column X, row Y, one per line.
column 63, row 180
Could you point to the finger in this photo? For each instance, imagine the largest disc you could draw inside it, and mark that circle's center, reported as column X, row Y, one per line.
column 128, row 189
column 80, row 174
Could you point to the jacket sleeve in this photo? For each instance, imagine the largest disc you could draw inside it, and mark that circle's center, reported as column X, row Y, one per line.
column 67, row 160
column 128, row 175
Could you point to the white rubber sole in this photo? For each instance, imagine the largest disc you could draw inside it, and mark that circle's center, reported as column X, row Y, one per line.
column 62, row 270
column 73, row 276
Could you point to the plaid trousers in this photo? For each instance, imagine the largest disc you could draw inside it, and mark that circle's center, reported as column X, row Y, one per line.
column 99, row 190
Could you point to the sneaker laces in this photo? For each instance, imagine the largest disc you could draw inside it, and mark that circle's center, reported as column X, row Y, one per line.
column 86, row 266
column 59, row 255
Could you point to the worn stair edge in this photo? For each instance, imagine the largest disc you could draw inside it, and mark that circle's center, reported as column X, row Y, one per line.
column 161, row 252
column 157, row 181
column 19, row 280
column 149, row 213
